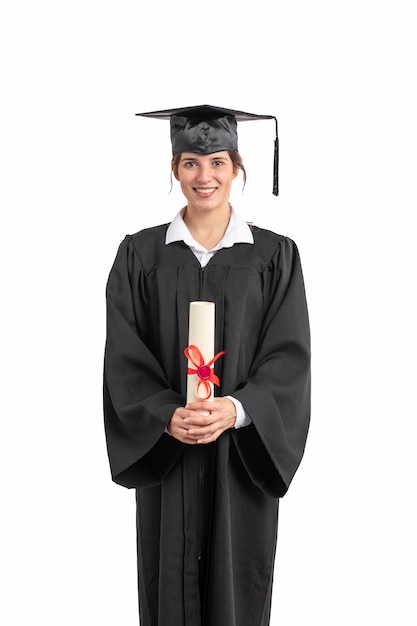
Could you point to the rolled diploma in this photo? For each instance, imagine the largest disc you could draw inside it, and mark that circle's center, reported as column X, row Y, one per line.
column 200, row 334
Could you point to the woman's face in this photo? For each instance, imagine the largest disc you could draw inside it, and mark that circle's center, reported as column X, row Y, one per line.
column 206, row 179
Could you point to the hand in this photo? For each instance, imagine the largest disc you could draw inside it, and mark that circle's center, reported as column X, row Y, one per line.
column 203, row 421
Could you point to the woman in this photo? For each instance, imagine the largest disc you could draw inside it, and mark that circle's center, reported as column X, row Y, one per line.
column 208, row 475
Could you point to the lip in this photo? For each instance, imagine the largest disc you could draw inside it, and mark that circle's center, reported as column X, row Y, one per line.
column 204, row 192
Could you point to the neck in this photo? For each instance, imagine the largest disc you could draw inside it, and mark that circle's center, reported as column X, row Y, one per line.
column 207, row 228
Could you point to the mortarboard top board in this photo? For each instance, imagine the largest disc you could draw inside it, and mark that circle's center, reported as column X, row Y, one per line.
column 205, row 129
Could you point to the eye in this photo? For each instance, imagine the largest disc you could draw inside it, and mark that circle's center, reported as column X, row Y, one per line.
column 218, row 163
column 190, row 164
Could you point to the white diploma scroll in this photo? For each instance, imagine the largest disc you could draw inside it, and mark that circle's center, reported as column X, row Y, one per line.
column 200, row 334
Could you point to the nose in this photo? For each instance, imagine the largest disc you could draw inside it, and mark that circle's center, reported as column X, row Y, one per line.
column 204, row 173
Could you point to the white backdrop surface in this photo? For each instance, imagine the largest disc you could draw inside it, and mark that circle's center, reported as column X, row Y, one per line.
column 79, row 171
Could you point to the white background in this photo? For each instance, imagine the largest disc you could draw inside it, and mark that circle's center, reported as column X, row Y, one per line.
column 79, row 171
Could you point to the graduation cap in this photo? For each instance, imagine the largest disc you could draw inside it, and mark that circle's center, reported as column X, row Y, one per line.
column 206, row 129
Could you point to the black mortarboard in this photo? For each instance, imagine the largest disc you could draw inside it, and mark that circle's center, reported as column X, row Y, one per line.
column 206, row 129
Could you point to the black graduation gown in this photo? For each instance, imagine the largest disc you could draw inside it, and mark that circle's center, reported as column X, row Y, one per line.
column 206, row 514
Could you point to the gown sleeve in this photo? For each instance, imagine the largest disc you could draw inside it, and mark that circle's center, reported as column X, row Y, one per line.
column 138, row 400
column 276, row 394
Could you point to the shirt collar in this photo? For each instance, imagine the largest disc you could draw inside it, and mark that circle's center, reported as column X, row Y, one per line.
column 238, row 231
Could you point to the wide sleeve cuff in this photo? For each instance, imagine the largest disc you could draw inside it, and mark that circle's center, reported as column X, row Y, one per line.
column 242, row 418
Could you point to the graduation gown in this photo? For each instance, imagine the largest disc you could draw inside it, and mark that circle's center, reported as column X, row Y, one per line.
column 206, row 514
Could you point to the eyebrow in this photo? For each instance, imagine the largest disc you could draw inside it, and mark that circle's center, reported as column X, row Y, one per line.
column 197, row 156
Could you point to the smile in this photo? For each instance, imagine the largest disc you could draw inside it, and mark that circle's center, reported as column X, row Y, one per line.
column 205, row 190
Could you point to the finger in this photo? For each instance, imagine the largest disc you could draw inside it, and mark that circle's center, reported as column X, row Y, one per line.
column 211, row 434
column 200, row 432
column 210, row 437
column 198, row 420
column 201, row 405
column 179, row 432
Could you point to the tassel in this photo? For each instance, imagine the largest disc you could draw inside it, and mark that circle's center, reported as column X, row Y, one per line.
column 275, row 189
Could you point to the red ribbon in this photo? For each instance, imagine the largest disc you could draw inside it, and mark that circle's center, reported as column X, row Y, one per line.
column 204, row 371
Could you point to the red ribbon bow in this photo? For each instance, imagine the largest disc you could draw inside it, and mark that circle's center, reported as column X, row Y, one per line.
column 204, row 371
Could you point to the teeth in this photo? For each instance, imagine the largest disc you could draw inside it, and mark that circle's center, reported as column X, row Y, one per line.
column 204, row 190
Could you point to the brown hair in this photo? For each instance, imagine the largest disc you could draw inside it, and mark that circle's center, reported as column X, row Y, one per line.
column 234, row 156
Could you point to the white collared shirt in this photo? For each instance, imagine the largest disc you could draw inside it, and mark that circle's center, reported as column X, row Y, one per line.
column 237, row 231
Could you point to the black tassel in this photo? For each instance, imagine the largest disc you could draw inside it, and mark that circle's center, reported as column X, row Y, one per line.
column 275, row 189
